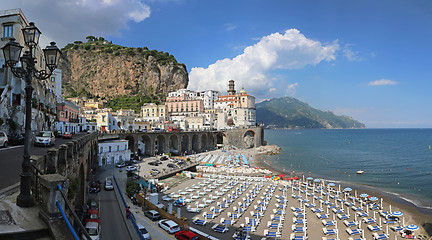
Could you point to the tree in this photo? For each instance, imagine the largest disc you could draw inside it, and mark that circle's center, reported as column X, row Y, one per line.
column 90, row 38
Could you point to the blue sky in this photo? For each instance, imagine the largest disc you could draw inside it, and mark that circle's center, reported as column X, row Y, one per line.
column 367, row 59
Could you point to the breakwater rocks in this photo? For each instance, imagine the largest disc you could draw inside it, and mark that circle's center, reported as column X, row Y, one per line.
column 269, row 149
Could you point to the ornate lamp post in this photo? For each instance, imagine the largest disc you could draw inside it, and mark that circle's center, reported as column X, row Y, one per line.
column 12, row 53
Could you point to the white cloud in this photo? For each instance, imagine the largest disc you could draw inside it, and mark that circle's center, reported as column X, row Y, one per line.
column 65, row 21
column 350, row 54
column 252, row 68
column 230, row 27
column 272, row 89
column 291, row 89
column 382, row 82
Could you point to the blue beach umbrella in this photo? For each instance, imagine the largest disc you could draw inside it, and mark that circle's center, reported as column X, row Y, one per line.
column 348, row 189
column 373, row 198
column 364, row 195
column 331, row 184
column 412, row 227
column 309, row 178
column 397, row 213
column 317, row 180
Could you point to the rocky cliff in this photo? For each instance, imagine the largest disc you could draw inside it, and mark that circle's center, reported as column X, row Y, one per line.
column 102, row 69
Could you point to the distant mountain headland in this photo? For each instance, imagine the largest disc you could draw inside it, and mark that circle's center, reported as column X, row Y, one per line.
column 289, row 112
column 99, row 68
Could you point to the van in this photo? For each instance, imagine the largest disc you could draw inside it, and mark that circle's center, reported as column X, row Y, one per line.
column 93, row 230
column 156, row 129
column 152, row 214
column 143, row 231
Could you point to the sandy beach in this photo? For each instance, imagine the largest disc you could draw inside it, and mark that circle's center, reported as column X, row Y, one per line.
column 206, row 195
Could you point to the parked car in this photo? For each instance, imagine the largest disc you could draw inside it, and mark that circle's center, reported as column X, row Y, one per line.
column 93, row 230
column 152, row 214
column 155, row 170
column 94, row 205
column 164, row 158
column 131, row 168
column 92, row 216
column 109, row 184
column 58, row 134
column 186, row 235
column 3, row 139
column 67, row 135
column 144, row 231
column 16, row 139
column 169, row 226
column 170, row 165
column 44, row 138
column 120, row 164
column 155, row 163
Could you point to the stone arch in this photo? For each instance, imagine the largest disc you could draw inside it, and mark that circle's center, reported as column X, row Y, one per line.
column 147, row 145
column 160, row 144
column 204, row 142
column 131, row 143
column 220, row 139
column 195, row 143
column 184, row 143
column 249, row 139
column 80, row 192
column 211, row 144
column 174, row 145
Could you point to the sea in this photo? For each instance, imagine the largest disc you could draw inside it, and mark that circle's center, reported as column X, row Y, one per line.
column 395, row 161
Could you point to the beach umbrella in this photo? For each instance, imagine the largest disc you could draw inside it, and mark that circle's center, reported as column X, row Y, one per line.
column 412, row 227
column 309, row 178
column 317, row 180
column 331, row 184
column 373, row 198
column 397, row 213
column 348, row 189
column 364, row 195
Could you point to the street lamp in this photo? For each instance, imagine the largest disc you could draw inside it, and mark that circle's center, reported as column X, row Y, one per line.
column 12, row 52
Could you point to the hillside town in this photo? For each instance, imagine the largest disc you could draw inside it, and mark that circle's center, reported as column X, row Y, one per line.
column 183, row 110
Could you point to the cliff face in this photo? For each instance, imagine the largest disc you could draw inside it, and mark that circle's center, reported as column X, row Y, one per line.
column 103, row 72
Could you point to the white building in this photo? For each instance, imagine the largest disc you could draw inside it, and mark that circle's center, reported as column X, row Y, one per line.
column 209, row 97
column 12, row 90
column 113, row 151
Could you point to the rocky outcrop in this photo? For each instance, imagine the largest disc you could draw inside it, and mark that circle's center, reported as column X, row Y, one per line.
column 98, row 70
column 269, row 149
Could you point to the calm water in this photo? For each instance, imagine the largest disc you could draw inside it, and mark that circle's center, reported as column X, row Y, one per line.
column 394, row 160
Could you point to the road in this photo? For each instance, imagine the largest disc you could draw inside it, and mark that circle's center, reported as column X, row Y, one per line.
column 11, row 159
column 113, row 225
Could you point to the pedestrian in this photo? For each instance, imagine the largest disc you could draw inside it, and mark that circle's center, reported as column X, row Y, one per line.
column 127, row 212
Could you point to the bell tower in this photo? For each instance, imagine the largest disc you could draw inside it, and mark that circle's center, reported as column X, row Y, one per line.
column 231, row 90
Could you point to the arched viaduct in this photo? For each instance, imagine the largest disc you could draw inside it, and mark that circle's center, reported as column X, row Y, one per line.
column 178, row 143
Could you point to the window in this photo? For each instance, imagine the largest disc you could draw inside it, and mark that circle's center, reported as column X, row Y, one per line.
column 52, row 79
column 8, row 30
column 109, row 149
column 101, row 149
column 118, row 148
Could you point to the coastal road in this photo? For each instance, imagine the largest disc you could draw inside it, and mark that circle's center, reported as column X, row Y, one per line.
column 11, row 159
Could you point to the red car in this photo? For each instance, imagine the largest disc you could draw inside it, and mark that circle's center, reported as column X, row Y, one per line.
column 92, row 216
column 67, row 135
column 186, row 235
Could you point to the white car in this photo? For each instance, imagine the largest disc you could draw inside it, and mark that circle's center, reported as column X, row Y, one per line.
column 169, row 225
column 93, row 230
column 108, row 184
column 3, row 139
column 144, row 231
column 131, row 168
column 44, row 138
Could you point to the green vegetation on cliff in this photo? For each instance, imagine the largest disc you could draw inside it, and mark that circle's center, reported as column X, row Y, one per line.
column 289, row 112
column 103, row 46
column 133, row 102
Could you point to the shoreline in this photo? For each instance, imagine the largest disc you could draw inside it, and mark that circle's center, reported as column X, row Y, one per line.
column 422, row 216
